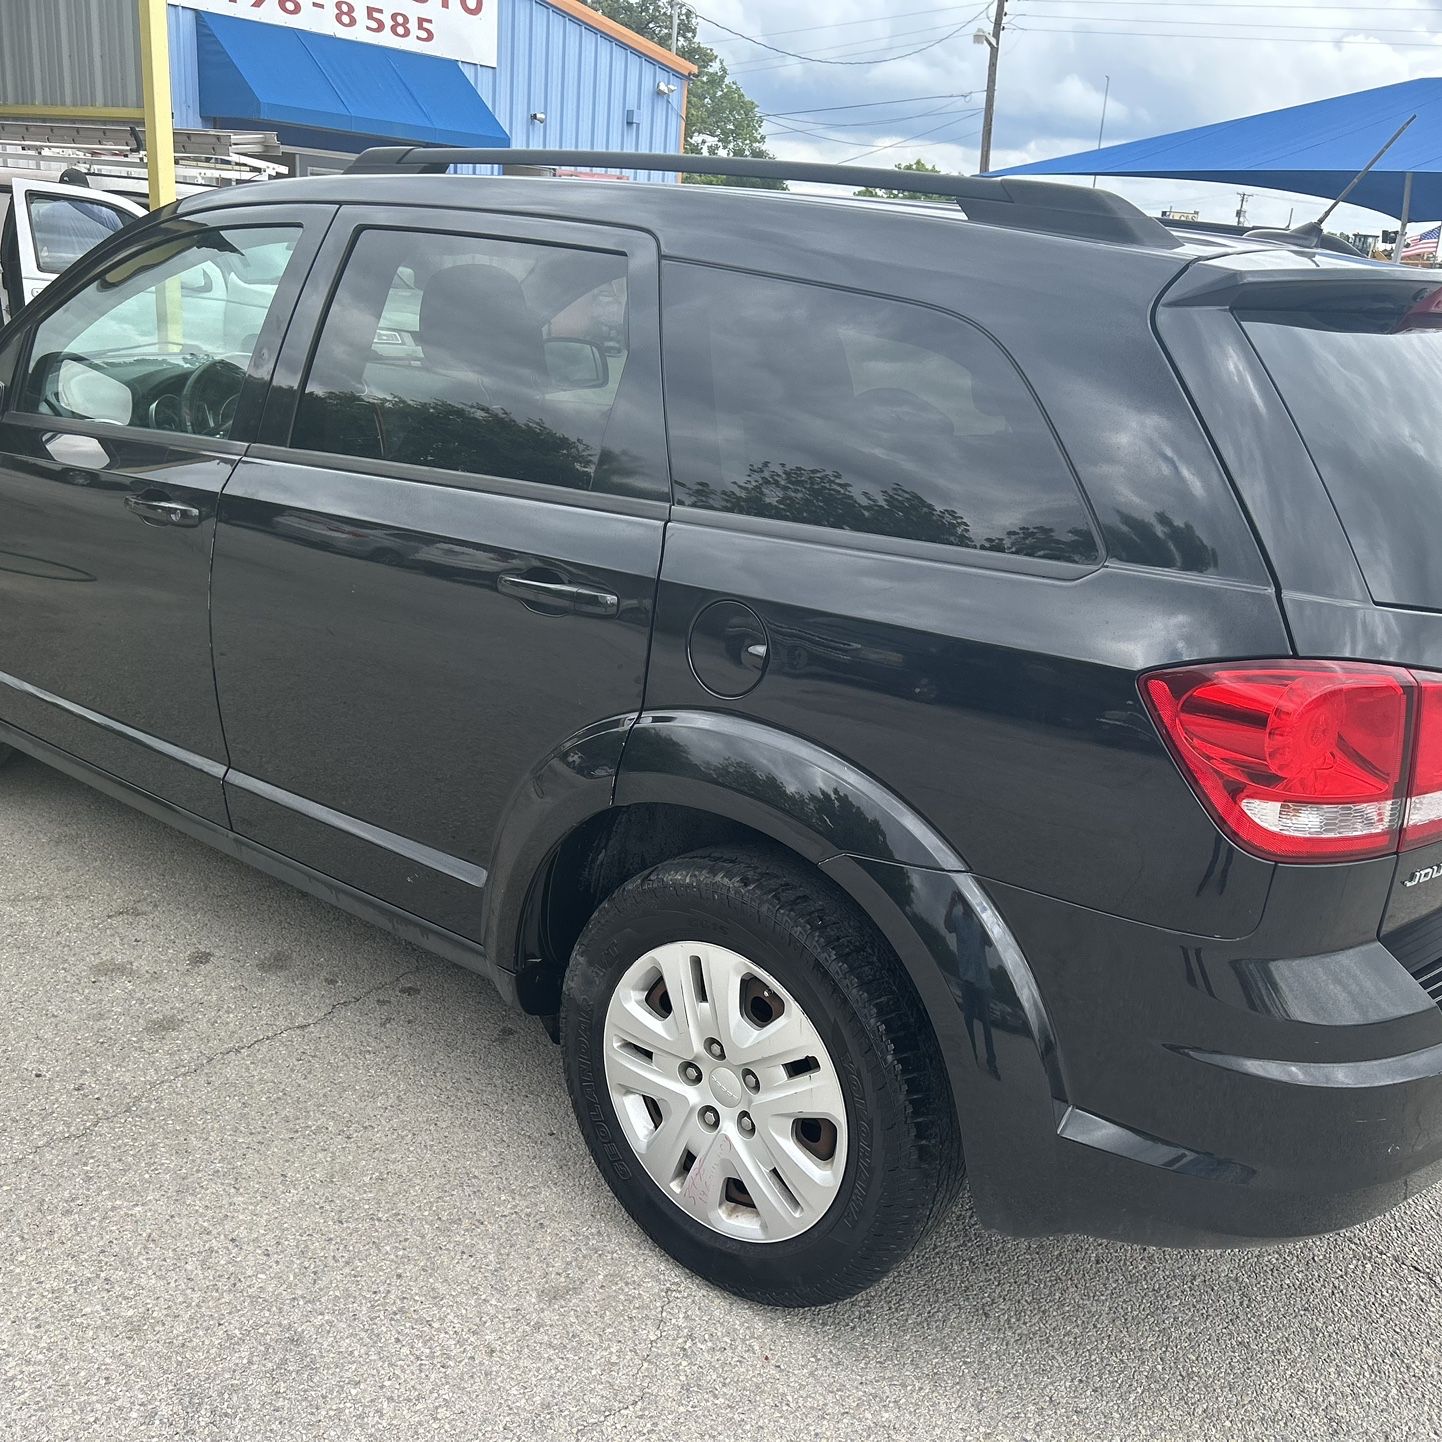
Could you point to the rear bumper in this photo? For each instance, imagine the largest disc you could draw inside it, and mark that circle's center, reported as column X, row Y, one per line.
column 1120, row 1183
column 1213, row 1093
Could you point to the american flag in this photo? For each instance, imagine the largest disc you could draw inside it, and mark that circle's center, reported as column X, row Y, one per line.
column 1423, row 245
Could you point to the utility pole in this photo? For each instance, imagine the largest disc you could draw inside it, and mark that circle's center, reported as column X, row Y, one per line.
column 675, row 24
column 989, row 115
column 155, row 89
column 1243, row 196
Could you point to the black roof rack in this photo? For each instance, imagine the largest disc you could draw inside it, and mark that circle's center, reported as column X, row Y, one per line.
column 1044, row 205
column 1225, row 227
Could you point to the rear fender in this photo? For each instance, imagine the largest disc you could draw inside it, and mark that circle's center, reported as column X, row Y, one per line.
column 979, row 993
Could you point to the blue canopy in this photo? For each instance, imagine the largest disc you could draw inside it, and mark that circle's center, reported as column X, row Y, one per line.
column 335, row 94
column 1311, row 149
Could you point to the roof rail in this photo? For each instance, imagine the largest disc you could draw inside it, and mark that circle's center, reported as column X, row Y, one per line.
column 1042, row 205
column 1244, row 232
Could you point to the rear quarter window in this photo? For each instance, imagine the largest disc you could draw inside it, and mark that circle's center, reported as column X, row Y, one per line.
column 1363, row 384
column 803, row 403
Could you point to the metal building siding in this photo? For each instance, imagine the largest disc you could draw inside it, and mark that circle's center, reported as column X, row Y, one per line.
column 584, row 82
column 69, row 52
column 184, row 71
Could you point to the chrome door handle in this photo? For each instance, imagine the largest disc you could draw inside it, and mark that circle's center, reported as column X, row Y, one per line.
column 578, row 600
column 162, row 513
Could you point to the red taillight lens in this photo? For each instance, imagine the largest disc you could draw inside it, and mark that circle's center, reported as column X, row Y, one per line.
column 1297, row 760
column 1423, row 821
column 1425, row 313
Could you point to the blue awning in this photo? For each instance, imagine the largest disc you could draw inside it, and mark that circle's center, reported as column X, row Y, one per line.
column 1313, row 149
column 338, row 94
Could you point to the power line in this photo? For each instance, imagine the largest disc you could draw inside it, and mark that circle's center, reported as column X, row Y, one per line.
column 891, row 120
column 897, row 144
column 882, row 121
column 1255, row 39
column 1233, row 24
column 871, row 46
column 1239, row 5
column 1252, row 5
column 842, row 24
column 820, row 60
column 866, row 104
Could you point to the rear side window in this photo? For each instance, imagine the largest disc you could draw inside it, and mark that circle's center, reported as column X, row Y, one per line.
column 491, row 357
column 1363, row 383
column 802, row 403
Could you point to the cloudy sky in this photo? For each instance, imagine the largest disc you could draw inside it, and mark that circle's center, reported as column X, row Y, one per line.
column 1172, row 63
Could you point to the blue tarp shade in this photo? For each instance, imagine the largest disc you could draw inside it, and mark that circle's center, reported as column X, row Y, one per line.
column 1310, row 149
column 338, row 94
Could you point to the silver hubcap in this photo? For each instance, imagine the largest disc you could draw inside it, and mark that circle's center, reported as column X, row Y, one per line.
column 725, row 1092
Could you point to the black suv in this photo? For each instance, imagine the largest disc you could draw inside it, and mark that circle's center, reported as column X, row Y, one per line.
column 887, row 684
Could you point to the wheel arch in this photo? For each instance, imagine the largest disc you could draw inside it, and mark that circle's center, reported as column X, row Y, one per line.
column 689, row 780
column 632, row 791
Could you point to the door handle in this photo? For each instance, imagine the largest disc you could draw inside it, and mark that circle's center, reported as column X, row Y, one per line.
column 162, row 513
column 577, row 600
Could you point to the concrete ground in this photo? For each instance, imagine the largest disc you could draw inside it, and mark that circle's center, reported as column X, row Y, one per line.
column 267, row 1173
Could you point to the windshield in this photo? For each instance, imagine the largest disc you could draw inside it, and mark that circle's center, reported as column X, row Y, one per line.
column 1364, row 386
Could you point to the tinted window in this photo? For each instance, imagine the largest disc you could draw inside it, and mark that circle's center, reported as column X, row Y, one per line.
column 164, row 337
column 1365, row 390
column 486, row 356
column 802, row 403
column 63, row 230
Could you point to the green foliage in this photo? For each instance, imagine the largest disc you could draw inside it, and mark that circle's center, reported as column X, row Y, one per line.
column 817, row 497
column 721, row 119
column 916, row 167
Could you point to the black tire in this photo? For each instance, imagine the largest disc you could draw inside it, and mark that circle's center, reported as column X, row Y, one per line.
column 904, row 1167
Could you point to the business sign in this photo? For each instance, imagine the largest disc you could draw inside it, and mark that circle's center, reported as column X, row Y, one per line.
column 459, row 29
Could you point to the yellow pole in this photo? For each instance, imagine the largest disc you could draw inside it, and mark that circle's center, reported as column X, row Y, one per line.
column 155, row 86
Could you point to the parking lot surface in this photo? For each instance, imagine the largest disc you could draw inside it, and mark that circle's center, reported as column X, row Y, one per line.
column 267, row 1173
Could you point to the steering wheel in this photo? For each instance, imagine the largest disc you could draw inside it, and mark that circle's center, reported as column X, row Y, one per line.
column 208, row 402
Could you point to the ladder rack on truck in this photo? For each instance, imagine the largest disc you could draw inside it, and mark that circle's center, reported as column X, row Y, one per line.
column 116, row 152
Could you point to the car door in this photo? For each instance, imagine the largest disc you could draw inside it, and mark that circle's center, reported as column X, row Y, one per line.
column 129, row 391
column 438, row 569
column 48, row 227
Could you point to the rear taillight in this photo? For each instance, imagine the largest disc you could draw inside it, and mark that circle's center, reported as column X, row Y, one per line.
column 1423, row 821
column 1308, row 760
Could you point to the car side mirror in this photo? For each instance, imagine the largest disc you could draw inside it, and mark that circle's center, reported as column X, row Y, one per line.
column 576, row 365
column 89, row 394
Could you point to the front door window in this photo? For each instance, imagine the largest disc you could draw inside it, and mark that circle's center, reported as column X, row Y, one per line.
column 164, row 338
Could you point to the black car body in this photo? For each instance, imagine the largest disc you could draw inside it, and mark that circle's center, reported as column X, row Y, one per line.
column 470, row 698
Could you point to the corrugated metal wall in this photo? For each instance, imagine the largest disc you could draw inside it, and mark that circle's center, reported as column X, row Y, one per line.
column 582, row 81
column 184, row 72
column 69, row 52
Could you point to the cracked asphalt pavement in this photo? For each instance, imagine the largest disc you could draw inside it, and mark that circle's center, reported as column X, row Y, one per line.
column 267, row 1173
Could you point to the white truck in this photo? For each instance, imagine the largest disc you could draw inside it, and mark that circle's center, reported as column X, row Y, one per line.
column 47, row 225
column 52, row 211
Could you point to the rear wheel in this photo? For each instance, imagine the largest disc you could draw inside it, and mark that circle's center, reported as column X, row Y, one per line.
column 756, row 1079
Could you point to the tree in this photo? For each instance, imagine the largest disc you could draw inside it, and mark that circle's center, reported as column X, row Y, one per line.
column 721, row 119
column 917, row 167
